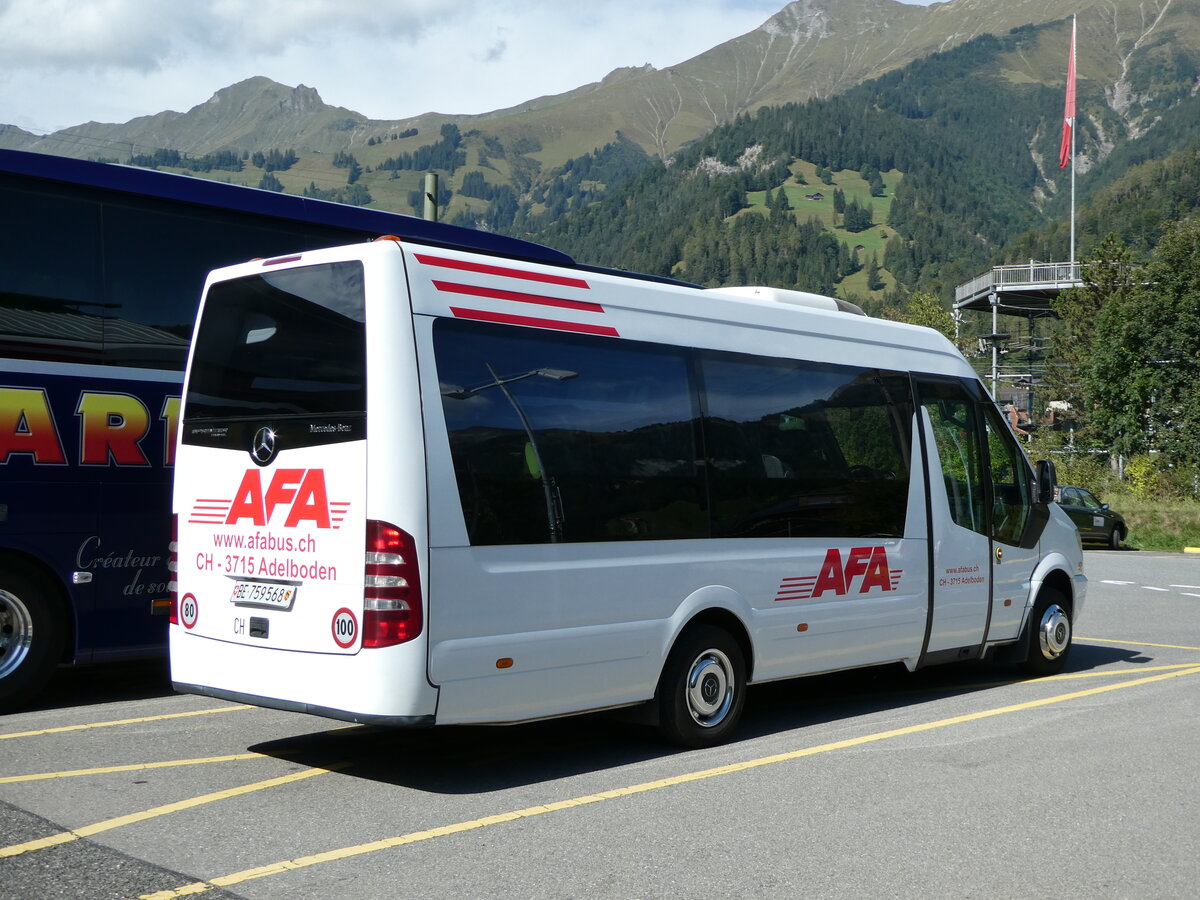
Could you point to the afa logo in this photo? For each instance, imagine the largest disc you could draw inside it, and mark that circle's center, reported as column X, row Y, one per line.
column 293, row 496
column 862, row 570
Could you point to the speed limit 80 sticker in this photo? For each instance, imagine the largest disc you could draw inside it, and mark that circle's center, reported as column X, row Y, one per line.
column 345, row 628
column 189, row 611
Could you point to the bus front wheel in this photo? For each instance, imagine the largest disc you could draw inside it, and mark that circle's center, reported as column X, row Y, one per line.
column 702, row 689
column 1049, row 634
column 31, row 636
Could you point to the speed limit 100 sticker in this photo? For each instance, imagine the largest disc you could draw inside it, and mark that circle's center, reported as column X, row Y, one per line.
column 345, row 628
column 189, row 611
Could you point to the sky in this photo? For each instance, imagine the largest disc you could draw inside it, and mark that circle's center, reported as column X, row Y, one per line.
column 66, row 62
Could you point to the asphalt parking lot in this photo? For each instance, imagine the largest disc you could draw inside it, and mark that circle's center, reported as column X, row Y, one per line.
column 952, row 782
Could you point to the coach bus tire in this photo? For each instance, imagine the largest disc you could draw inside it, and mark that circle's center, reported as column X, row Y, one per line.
column 702, row 689
column 31, row 636
column 1049, row 634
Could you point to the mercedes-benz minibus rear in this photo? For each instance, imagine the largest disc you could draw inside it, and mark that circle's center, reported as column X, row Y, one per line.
column 299, row 556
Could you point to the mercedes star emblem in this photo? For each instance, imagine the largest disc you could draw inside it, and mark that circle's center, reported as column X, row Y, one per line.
column 262, row 448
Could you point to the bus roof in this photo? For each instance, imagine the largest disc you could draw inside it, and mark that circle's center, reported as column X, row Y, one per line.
column 203, row 192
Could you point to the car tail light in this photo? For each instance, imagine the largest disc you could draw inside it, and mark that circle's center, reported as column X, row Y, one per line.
column 392, row 588
column 173, row 568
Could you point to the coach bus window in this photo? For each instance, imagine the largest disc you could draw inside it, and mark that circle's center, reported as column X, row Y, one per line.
column 954, row 416
column 50, row 298
column 156, row 263
column 800, row 449
column 568, row 437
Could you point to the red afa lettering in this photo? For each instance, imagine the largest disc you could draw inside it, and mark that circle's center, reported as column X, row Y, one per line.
column 832, row 577
column 301, row 491
column 869, row 563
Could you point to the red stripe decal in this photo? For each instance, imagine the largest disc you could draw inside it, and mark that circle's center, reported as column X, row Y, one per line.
column 500, row 270
column 519, row 297
column 481, row 316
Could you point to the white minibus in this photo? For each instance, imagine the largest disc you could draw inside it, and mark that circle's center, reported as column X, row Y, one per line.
column 417, row 484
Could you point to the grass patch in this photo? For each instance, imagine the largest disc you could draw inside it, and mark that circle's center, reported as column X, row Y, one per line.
column 804, row 183
column 1160, row 524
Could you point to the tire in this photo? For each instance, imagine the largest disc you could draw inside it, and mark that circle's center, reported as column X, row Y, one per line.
column 1115, row 538
column 31, row 636
column 702, row 690
column 1050, row 635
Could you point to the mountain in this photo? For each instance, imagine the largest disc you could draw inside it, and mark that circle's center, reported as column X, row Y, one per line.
column 955, row 107
column 809, row 49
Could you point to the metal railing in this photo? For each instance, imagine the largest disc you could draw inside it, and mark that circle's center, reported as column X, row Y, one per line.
column 1033, row 273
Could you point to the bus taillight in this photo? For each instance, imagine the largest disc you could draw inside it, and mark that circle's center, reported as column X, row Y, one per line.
column 392, row 589
column 173, row 568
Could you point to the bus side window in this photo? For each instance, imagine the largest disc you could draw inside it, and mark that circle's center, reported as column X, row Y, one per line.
column 953, row 414
column 52, row 300
column 1011, row 480
column 803, row 449
column 569, row 438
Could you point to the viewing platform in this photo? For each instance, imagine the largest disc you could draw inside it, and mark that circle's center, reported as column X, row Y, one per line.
column 1023, row 290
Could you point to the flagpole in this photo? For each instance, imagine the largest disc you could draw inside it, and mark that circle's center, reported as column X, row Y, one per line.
column 1073, row 129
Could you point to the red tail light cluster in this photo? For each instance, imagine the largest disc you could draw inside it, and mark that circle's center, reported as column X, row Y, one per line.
column 173, row 568
column 392, row 591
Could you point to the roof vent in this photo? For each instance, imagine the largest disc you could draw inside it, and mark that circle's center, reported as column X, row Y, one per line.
column 794, row 298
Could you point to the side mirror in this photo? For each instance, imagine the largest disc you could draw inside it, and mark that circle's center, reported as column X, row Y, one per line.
column 1047, row 480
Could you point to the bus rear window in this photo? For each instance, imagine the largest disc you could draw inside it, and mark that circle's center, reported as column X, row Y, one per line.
column 290, row 342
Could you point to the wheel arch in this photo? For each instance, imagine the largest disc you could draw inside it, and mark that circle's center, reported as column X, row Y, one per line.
column 1059, row 580
column 27, row 563
column 715, row 605
column 727, row 621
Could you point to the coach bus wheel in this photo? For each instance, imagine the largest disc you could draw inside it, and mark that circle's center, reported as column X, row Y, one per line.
column 702, row 689
column 31, row 635
column 1049, row 634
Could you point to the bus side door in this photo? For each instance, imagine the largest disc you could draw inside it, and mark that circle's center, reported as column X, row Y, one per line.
column 1013, row 527
column 983, row 535
column 960, row 574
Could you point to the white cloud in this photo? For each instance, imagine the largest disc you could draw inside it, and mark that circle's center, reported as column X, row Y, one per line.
column 70, row 61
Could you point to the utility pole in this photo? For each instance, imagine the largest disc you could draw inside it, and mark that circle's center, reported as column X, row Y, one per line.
column 431, row 196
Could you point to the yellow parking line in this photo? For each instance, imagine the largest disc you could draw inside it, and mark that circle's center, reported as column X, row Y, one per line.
column 1111, row 673
column 109, row 824
column 133, row 767
column 200, row 887
column 65, row 728
column 1135, row 643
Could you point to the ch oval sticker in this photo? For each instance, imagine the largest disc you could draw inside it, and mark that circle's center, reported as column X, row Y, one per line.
column 345, row 628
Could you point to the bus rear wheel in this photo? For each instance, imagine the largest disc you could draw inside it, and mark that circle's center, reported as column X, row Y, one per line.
column 31, row 636
column 702, row 689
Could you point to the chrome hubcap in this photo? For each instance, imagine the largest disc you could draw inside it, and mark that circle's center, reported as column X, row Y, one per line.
column 16, row 633
column 710, row 688
column 1054, row 632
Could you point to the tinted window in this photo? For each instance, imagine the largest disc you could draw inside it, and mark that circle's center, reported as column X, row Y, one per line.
column 290, row 342
column 100, row 277
column 566, row 437
column 798, row 449
column 578, row 438
column 50, row 297
column 1011, row 480
column 155, row 265
column 953, row 412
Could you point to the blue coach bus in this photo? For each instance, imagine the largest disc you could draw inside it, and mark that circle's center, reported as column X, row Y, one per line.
column 101, row 269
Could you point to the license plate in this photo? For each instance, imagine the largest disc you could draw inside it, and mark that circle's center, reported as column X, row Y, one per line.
column 267, row 595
